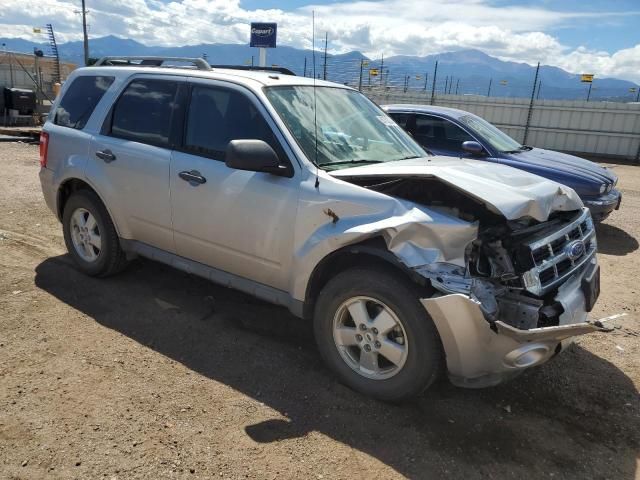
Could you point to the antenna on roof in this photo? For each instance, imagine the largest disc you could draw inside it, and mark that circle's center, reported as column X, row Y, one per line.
column 315, row 111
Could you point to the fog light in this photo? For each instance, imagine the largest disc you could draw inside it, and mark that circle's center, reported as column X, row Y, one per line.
column 527, row 355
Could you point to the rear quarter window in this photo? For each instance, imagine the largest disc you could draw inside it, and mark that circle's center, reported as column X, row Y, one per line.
column 80, row 100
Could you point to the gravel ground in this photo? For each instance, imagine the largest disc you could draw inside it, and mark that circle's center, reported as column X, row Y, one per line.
column 157, row 374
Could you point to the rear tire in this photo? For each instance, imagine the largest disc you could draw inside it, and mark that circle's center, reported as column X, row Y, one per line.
column 90, row 235
column 373, row 332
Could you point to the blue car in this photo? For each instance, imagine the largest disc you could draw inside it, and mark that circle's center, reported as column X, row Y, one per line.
column 452, row 132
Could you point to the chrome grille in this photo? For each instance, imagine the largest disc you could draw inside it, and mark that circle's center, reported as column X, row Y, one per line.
column 559, row 255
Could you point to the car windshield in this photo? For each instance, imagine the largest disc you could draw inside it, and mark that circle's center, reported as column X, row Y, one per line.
column 497, row 138
column 351, row 130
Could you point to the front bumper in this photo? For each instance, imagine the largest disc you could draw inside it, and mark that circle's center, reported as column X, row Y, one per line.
column 602, row 206
column 480, row 354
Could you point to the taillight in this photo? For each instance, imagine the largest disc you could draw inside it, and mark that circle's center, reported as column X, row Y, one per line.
column 44, row 146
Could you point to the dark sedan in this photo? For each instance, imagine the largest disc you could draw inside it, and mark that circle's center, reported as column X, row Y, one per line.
column 452, row 132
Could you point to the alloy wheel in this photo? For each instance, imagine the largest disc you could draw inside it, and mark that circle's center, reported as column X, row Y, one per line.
column 370, row 338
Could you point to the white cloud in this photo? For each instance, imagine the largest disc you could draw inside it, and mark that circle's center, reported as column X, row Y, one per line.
column 409, row 27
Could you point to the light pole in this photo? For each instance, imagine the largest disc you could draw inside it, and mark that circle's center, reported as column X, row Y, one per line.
column 84, row 33
column 326, row 41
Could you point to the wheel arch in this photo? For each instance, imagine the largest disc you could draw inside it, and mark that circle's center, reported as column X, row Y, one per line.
column 370, row 252
column 72, row 185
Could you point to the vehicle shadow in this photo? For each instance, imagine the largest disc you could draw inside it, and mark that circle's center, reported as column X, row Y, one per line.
column 614, row 241
column 567, row 418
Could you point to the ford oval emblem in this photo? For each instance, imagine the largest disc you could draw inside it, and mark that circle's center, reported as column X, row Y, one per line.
column 575, row 249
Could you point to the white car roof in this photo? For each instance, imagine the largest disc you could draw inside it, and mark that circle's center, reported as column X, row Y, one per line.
column 253, row 78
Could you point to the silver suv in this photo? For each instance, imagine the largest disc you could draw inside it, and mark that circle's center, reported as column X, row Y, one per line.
column 306, row 194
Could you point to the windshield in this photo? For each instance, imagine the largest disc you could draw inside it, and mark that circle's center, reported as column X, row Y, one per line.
column 350, row 128
column 497, row 138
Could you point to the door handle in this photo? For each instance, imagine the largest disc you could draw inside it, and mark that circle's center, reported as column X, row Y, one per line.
column 106, row 155
column 193, row 177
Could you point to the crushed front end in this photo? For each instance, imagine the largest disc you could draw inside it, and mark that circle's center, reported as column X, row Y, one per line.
column 525, row 291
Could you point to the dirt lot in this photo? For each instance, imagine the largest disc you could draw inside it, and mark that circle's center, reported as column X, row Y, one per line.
column 157, row 374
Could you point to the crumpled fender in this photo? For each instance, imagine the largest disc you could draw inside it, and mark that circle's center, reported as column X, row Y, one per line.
column 415, row 234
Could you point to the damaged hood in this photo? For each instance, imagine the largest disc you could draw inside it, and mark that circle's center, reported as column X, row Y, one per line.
column 504, row 190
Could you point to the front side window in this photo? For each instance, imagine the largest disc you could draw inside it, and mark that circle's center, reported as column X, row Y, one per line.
column 497, row 138
column 80, row 100
column 438, row 133
column 217, row 116
column 143, row 112
column 337, row 127
column 401, row 119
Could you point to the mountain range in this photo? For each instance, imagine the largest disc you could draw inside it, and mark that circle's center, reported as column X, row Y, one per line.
column 468, row 71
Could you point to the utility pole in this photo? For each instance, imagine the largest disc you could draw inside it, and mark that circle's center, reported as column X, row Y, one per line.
column 326, row 41
column 526, row 127
column 589, row 91
column 638, row 95
column 304, row 73
column 539, row 87
column 360, row 79
column 450, row 85
column 489, row 91
column 457, row 85
column 433, row 85
column 36, row 55
column 426, row 77
column 446, row 84
column 84, row 33
column 381, row 69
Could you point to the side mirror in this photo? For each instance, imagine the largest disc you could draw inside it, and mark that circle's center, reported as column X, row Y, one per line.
column 474, row 148
column 254, row 156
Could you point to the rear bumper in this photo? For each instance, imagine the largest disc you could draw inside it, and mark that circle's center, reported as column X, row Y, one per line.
column 480, row 354
column 48, row 189
column 602, row 206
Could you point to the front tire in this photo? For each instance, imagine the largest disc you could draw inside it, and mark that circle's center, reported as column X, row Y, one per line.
column 373, row 332
column 90, row 235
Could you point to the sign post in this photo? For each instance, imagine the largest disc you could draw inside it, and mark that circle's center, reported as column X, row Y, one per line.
column 263, row 36
column 587, row 78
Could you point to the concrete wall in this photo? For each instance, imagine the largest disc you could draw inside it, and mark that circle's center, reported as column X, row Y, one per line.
column 595, row 128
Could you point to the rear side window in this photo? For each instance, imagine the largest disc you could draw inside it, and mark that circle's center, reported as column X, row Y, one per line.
column 143, row 112
column 217, row 116
column 80, row 100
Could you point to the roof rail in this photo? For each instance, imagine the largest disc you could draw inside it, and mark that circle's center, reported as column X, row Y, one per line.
column 199, row 63
column 283, row 70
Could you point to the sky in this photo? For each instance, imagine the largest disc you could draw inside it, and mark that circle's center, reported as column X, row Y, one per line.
column 581, row 36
